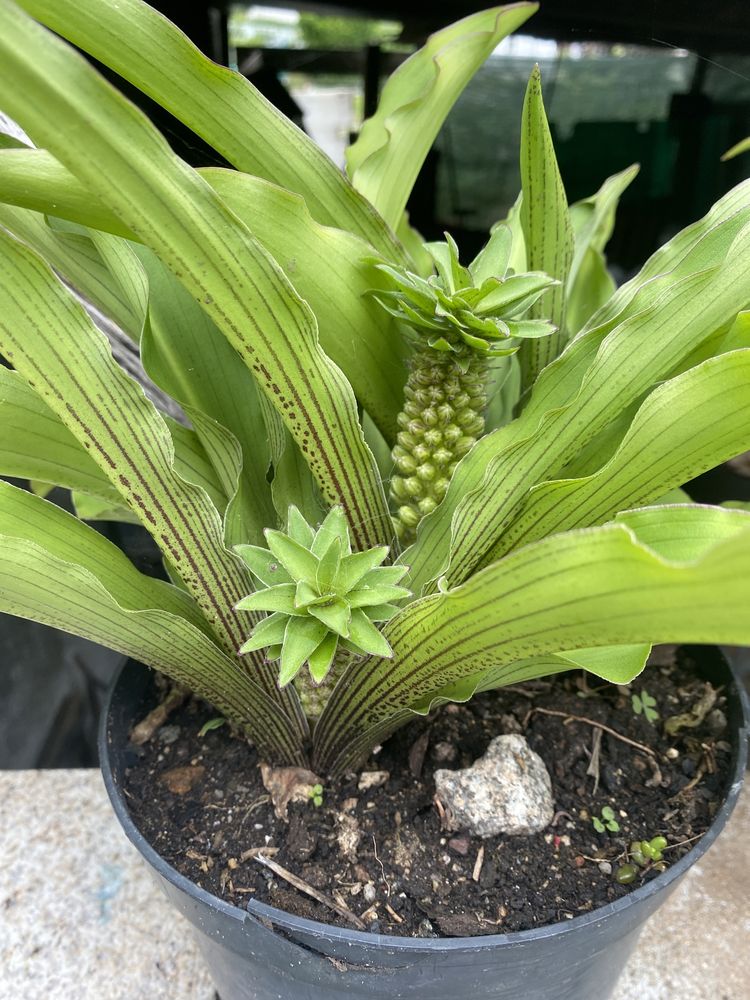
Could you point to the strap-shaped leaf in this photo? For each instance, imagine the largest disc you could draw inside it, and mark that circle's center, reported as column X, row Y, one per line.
column 36, row 584
column 695, row 247
column 685, row 427
column 593, row 219
column 218, row 104
column 617, row 664
column 52, row 342
column 701, row 289
column 328, row 270
column 617, row 584
column 91, row 508
column 35, row 444
column 32, row 186
column 327, row 266
column 26, row 516
column 130, row 167
column 180, row 341
column 590, row 285
column 78, row 260
column 390, row 150
column 547, row 229
column 739, row 147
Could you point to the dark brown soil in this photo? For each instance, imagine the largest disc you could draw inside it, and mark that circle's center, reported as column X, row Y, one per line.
column 201, row 803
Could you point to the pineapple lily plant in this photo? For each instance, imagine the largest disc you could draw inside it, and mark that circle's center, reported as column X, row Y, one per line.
column 532, row 424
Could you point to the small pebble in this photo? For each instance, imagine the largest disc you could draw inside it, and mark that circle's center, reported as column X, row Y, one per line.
column 168, row 734
column 605, row 867
column 369, row 893
column 672, row 754
column 460, row 845
column 425, row 927
column 444, row 752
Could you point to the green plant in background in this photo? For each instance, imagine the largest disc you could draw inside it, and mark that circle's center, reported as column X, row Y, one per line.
column 606, row 822
column 561, row 540
column 644, row 704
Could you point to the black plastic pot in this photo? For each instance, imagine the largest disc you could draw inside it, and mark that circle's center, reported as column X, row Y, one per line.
column 266, row 954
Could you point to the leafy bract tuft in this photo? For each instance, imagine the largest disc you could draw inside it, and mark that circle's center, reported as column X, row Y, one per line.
column 322, row 597
column 479, row 307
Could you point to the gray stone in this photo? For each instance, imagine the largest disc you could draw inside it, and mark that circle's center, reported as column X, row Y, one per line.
column 506, row 791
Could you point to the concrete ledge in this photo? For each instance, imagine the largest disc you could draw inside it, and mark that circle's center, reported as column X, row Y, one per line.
column 81, row 919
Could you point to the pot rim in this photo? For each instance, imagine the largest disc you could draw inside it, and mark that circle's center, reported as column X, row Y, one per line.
column 304, row 926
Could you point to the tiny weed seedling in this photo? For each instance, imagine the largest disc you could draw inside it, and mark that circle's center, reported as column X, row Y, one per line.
column 606, row 822
column 316, row 794
column 644, row 704
column 214, row 723
column 643, row 854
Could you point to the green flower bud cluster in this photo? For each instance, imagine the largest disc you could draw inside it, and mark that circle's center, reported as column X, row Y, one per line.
column 321, row 596
column 441, row 421
column 463, row 318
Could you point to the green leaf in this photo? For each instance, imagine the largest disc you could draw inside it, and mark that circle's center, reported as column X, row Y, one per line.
column 268, row 632
column 329, row 269
column 208, row 727
column 336, row 616
column 594, row 287
column 392, row 145
column 354, row 567
column 546, row 225
column 299, row 528
column 301, row 638
column 218, row 104
column 366, row 637
column 90, row 508
column 360, row 337
column 278, row 598
column 263, row 564
column 29, row 178
column 328, row 566
column 739, row 147
column 685, row 427
column 68, row 362
column 377, row 593
column 334, row 526
column 24, row 515
column 179, row 341
column 593, row 220
column 298, row 561
column 35, row 444
column 683, row 533
column 126, row 163
column 320, row 660
column 616, row 584
column 58, row 571
column 79, row 261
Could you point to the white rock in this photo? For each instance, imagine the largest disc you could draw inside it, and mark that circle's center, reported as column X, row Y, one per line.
column 508, row 790
column 372, row 779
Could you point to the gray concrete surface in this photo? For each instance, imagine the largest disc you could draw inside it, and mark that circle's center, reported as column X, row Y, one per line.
column 81, row 919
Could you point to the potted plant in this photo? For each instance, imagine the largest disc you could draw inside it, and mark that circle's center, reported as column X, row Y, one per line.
column 532, row 423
